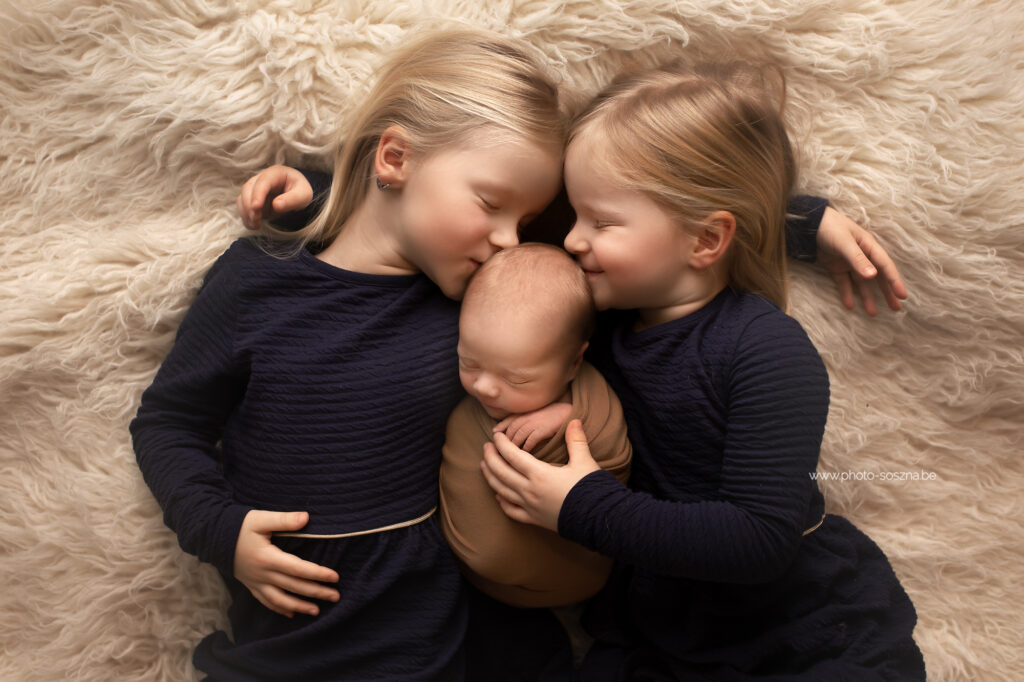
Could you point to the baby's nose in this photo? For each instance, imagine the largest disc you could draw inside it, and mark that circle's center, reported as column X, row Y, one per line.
column 486, row 386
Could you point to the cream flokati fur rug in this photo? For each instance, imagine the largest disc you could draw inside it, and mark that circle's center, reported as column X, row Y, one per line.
column 126, row 129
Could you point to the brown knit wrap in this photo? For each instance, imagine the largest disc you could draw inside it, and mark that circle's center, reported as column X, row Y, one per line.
column 520, row 564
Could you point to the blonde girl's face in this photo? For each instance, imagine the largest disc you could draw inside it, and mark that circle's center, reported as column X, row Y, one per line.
column 634, row 253
column 460, row 206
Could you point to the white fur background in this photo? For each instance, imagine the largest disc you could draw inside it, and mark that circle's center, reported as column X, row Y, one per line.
column 127, row 126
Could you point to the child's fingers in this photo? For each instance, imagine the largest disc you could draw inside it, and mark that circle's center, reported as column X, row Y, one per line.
column 265, row 183
column 267, row 522
column 891, row 297
column 253, row 201
column 867, row 295
column 513, row 511
column 502, row 478
column 279, row 601
column 889, row 281
column 576, row 444
column 289, row 564
column 288, row 201
column 845, row 286
column 244, row 203
column 240, row 207
column 303, row 588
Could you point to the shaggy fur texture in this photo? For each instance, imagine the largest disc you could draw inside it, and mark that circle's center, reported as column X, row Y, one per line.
column 127, row 127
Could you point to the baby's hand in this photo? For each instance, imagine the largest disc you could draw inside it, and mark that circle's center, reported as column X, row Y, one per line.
column 288, row 189
column 274, row 576
column 854, row 257
column 532, row 491
column 531, row 428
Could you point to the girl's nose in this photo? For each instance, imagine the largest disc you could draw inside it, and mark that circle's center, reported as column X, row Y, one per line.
column 505, row 235
column 575, row 242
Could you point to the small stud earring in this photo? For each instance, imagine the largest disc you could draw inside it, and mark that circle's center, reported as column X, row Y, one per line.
column 381, row 186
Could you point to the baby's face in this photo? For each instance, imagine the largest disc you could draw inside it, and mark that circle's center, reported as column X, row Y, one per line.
column 513, row 369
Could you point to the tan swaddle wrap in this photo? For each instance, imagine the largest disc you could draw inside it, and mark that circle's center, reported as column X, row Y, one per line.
column 520, row 564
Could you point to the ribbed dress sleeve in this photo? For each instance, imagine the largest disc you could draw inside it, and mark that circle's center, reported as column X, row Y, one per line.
column 296, row 220
column 181, row 416
column 803, row 218
column 750, row 530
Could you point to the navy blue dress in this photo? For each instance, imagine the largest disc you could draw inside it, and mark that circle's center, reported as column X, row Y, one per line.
column 715, row 577
column 294, row 385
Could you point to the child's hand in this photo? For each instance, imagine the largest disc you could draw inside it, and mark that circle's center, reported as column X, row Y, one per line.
column 531, row 491
column 288, row 189
column 274, row 576
column 853, row 256
column 528, row 429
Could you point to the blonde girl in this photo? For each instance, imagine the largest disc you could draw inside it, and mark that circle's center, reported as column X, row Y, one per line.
column 293, row 435
column 728, row 568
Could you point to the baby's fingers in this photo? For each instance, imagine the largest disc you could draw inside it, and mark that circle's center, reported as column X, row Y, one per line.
column 518, row 433
column 532, row 441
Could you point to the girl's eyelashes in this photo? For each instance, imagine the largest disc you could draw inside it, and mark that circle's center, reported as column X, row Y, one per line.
column 488, row 205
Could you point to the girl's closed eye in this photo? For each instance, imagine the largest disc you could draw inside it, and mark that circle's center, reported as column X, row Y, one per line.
column 489, row 205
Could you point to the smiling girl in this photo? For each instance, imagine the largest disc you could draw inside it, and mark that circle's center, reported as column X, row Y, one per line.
column 727, row 566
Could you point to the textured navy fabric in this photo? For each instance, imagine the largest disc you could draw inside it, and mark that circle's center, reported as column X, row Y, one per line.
column 726, row 408
column 328, row 391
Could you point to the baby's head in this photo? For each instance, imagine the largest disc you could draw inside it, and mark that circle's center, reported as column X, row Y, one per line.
column 525, row 321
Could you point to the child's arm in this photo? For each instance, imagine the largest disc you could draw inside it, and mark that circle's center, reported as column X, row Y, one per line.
column 175, row 435
column 816, row 232
column 748, row 531
column 294, row 196
column 855, row 258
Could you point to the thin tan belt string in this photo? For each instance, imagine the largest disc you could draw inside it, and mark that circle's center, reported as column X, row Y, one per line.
column 393, row 526
column 815, row 526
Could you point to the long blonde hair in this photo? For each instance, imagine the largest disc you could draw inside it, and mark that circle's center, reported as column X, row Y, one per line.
column 702, row 139
column 440, row 89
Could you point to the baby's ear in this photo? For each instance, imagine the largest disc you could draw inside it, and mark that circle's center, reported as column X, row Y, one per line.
column 578, row 360
column 712, row 239
column 394, row 151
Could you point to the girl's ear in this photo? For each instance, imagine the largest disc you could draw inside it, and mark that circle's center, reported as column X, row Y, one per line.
column 392, row 161
column 713, row 237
